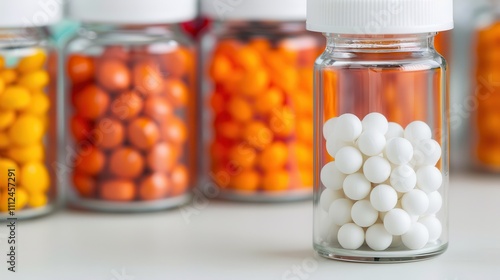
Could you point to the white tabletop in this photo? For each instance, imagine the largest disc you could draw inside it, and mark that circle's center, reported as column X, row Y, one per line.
column 242, row 241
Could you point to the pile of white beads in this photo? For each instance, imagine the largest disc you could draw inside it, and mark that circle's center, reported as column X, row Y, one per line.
column 383, row 185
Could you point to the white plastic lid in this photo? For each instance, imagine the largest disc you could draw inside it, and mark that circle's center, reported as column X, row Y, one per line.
column 30, row 13
column 379, row 16
column 133, row 11
column 280, row 10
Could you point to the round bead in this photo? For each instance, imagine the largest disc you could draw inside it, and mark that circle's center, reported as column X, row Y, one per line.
column 351, row 236
column 331, row 177
column 340, row 211
column 434, row 227
column 399, row 151
column 377, row 169
column 333, row 146
column 429, row 179
column 371, row 143
column 415, row 202
column 376, row 122
column 378, row 238
column 403, row 179
column 435, row 203
column 417, row 131
column 348, row 128
column 395, row 130
column 363, row 214
column 329, row 128
column 416, row 237
column 348, row 160
column 356, row 186
column 383, row 198
column 429, row 152
column 397, row 221
column 327, row 197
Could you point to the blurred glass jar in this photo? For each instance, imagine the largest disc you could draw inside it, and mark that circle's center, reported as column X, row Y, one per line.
column 130, row 89
column 28, row 110
column 258, row 62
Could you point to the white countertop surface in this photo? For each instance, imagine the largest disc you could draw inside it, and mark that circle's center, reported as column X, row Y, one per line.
column 242, row 241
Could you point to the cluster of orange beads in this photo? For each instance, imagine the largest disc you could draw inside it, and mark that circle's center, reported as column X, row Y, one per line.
column 487, row 93
column 129, row 123
column 263, row 115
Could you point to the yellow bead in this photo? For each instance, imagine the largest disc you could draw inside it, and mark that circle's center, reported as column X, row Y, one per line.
column 31, row 153
column 36, row 80
column 35, row 177
column 8, row 76
column 37, row 200
column 5, row 166
column 15, row 98
column 39, row 104
column 4, row 140
column 6, row 118
column 2, row 86
column 32, row 63
column 26, row 130
column 20, row 196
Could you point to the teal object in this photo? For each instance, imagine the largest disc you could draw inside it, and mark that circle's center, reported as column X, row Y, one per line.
column 63, row 30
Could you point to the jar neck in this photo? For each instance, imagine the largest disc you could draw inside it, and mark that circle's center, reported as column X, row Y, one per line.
column 22, row 36
column 93, row 30
column 241, row 27
column 381, row 43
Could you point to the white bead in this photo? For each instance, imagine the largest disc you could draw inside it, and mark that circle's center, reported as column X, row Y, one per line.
column 378, row 238
column 328, row 196
column 403, row 179
column 377, row 169
column 348, row 160
column 329, row 127
column 429, row 152
column 399, row 151
column 351, row 236
column 377, row 122
column 429, row 179
column 415, row 202
column 332, row 237
column 435, row 203
column 417, row 131
column 356, row 186
column 434, row 227
column 395, row 130
column 348, row 128
column 397, row 221
column 333, row 145
column 383, row 198
column 371, row 143
column 331, row 177
column 323, row 225
column 340, row 211
column 363, row 214
column 416, row 237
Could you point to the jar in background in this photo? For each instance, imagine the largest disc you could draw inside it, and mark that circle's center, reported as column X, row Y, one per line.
column 130, row 93
column 257, row 119
column 381, row 130
column 28, row 111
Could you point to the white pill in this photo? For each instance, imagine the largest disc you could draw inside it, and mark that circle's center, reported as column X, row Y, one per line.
column 348, row 160
column 396, row 241
column 415, row 202
column 328, row 196
column 351, row 236
column 322, row 225
column 403, row 179
column 348, row 128
column 395, row 130
column 416, row 237
column 429, row 179
column 378, row 238
column 356, row 186
column 363, row 214
column 375, row 121
column 340, row 211
column 417, row 131
column 434, row 227
column 399, row 151
column 397, row 221
column 377, row 169
column 329, row 127
column 435, row 203
column 371, row 143
column 331, row 177
column 383, row 198
column 430, row 152
column 333, row 145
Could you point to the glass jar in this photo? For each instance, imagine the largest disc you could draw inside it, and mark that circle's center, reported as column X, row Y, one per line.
column 130, row 93
column 381, row 153
column 28, row 112
column 258, row 60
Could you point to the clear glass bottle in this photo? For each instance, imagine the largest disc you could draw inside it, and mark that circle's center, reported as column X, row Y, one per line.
column 130, row 93
column 381, row 155
column 258, row 59
column 28, row 111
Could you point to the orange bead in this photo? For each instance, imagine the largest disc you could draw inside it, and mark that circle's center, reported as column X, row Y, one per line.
column 218, row 152
column 113, row 75
column 116, row 52
column 254, row 82
column 91, row 102
column 247, row 180
column 177, row 92
column 242, row 156
column 158, row 108
column 162, row 157
column 178, row 62
column 147, row 77
column 248, row 58
column 268, row 101
column 80, row 68
column 276, row 181
column 226, row 127
column 239, row 109
column 127, row 106
column 91, row 162
column 305, row 131
column 303, row 104
column 174, row 131
column 154, row 187
column 304, row 155
column 282, row 122
column 273, row 157
column 112, row 132
column 258, row 135
column 220, row 68
column 306, row 81
column 80, row 128
column 126, row 163
column 286, row 78
column 306, row 178
column 261, row 45
column 117, row 190
column 218, row 102
column 179, row 180
column 228, row 47
column 143, row 133
column 85, row 185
